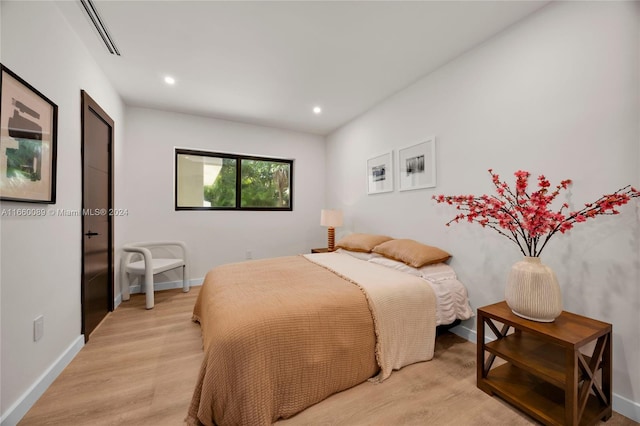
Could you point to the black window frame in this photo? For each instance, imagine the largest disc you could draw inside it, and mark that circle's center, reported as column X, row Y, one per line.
column 238, row 158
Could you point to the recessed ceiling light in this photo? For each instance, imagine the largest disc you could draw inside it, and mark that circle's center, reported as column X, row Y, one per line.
column 317, row 110
column 170, row 80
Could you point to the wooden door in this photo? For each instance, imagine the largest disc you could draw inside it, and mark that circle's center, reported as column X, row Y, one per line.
column 97, row 222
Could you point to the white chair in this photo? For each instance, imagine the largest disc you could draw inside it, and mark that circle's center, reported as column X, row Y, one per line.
column 149, row 266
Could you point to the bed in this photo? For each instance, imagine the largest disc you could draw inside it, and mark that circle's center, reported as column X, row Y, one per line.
column 282, row 334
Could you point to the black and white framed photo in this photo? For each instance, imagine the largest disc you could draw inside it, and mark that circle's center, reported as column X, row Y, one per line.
column 380, row 173
column 417, row 166
column 28, row 132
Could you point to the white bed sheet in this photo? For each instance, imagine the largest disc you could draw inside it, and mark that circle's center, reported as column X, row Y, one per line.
column 451, row 295
column 452, row 301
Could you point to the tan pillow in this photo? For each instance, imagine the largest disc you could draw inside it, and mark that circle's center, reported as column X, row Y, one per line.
column 411, row 252
column 361, row 242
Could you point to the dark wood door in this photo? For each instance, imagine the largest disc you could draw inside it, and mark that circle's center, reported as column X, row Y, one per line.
column 97, row 222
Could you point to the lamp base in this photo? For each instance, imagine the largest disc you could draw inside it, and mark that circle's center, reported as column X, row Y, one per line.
column 331, row 238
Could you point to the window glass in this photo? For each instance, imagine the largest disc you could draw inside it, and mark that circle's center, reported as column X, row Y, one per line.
column 218, row 181
column 265, row 183
column 220, row 184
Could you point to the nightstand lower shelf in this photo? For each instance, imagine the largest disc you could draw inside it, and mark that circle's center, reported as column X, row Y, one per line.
column 537, row 397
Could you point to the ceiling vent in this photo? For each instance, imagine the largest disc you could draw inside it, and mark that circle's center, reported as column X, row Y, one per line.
column 92, row 11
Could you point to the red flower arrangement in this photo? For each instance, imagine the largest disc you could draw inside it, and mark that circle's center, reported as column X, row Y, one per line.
column 527, row 219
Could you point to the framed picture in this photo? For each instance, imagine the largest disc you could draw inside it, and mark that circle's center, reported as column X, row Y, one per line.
column 417, row 166
column 380, row 173
column 28, row 132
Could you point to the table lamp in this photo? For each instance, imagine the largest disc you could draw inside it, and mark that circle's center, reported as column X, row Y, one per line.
column 331, row 219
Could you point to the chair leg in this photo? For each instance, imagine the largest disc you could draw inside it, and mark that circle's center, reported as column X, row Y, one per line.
column 124, row 280
column 148, row 289
column 185, row 280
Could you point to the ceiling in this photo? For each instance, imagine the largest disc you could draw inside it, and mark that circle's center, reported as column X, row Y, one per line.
column 270, row 63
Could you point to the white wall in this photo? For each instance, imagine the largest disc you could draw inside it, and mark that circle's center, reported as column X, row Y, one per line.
column 41, row 257
column 556, row 94
column 216, row 237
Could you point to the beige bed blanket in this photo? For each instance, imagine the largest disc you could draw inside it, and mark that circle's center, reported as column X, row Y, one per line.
column 280, row 335
column 403, row 308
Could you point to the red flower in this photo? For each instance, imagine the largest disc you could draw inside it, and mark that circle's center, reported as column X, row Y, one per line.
column 527, row 219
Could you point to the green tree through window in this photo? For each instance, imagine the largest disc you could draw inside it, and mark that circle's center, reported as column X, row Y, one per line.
column 264, row 184
column 222, row 193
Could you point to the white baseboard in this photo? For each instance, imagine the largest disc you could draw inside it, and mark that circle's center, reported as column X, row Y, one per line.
column 465, row 333
column 621, row 405
column 14, row 414
column 626, row 407
column 158, row 286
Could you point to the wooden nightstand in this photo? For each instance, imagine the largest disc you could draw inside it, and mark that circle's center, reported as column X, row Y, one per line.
column 545, row 374
column 320, row 250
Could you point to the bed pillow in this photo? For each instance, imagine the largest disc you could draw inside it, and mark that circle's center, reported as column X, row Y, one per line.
column 438, row 272
column 411, row 252
column 361, row 242
column 395, row 264
column 360, row 254
column 435, row 272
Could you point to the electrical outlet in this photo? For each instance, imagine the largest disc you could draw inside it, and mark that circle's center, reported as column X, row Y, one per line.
column 249, row 255
column 38, row 328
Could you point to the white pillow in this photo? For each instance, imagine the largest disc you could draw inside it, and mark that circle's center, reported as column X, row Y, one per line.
column 434, row 273
column 358, row 254
column 395, row 264
column 438, row 272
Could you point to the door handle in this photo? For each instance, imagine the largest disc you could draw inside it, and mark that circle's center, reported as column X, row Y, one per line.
column 91, row 234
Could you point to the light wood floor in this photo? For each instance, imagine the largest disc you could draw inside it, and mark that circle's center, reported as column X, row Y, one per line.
column 140, row 367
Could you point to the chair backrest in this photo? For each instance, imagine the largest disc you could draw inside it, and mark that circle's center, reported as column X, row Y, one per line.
column 144, row 249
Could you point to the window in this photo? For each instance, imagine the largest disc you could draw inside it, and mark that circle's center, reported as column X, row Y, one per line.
column 216, row 181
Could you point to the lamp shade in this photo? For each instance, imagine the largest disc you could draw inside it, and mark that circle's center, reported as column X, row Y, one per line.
column 331, row 218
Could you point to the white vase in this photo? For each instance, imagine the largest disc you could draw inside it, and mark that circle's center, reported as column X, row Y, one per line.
column 532, row 291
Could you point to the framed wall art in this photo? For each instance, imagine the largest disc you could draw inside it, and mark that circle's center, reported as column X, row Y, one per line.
column 28, row 134
column 417, row 166
column 380, row 174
